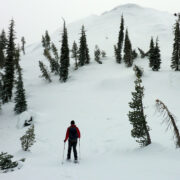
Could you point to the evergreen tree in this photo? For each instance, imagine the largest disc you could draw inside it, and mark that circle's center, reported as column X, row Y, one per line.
column 55, row 52
column 46, row 41
column 28, row 139
column 157, row 57
column 54, row 65
column 97, row 54
column 134, row 54
column 151, row 55
column 118, row 48
column 175, row 61
column 44, row 71
column 75, row 54
column 84, row 57
column 3, row 43
column 2, row 56
column 103, row 53
column 9, row 65
column 3, row 39
column 1, row 89
column 128, row 51
column 23, row 44
column 137, row 118
column 6, row 162
column 64, row 59
column 142, row 53
column 20, row 98
column 17, row 57
column 138, row 71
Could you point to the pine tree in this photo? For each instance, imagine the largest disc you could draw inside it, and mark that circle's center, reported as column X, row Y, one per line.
column 28, row 139
column 157, row 57
column 3, row 43
column 64, row 59
column 138, row 71
column 151, row 55
column 128, row 51
column 44, row 71
column 75, row 54
column 23, row 44
column 84, row 57
column 137, row 118
column 2, row 56
column 103, row 53
column 118, row 48
column 134, row 54
column 46, row 41
column 3, row 39
column 20, row 98
column 16, row 57
column 6, row 162
column 175, row 61
column 9, row 65
column 54, row 65
column 55, row 52
column 1, row 89
column 143, row 54
column 97, row 54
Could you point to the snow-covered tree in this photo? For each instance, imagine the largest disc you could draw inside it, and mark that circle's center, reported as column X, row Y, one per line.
column 118, row 47
column 23, row 44
column 137, row 117
column 84, row 57
column 97, row 54
column 28, row 139
column 128, row 60
column 151, row 53
column 3, row 44
column 75, row 54
column 157, row 57
column 134, row 54
column 6, row 161
column 20, row 97
column 44, row 71
column 175, row 61
column 9, row 65
column 103, row 54
column 64, row 59
column 138, row 71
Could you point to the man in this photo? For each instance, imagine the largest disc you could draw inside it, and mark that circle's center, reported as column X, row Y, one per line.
column 72, row 135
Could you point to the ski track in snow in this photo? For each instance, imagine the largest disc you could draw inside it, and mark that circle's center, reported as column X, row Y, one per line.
column 96, row 97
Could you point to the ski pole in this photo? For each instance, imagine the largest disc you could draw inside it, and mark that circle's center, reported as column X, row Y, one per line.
column 63, row 153
column 79, row 150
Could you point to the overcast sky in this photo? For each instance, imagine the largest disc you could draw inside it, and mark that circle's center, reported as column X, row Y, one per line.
column 33, row 17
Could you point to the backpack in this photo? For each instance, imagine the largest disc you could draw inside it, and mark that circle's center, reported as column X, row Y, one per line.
column 73, row 134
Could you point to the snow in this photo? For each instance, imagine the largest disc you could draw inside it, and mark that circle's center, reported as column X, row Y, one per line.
column 96, row 97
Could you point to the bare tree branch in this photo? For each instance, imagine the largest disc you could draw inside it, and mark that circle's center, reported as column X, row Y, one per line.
column 169, row 119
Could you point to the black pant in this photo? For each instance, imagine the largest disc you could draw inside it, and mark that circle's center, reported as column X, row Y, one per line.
column 70, row 145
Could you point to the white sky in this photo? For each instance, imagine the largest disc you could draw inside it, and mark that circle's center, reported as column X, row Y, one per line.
column 33, row 17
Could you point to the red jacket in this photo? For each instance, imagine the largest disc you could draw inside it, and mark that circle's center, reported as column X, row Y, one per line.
column 67, row 132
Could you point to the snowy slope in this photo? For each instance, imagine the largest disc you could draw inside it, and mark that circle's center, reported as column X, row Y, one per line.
column 96, row 97
column 142, row 23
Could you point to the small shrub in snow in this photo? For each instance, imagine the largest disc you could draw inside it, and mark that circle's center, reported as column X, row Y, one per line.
column 28, row 139
column 103, row 54
column 138, row 71
column 97, row 54
column 6, row 162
